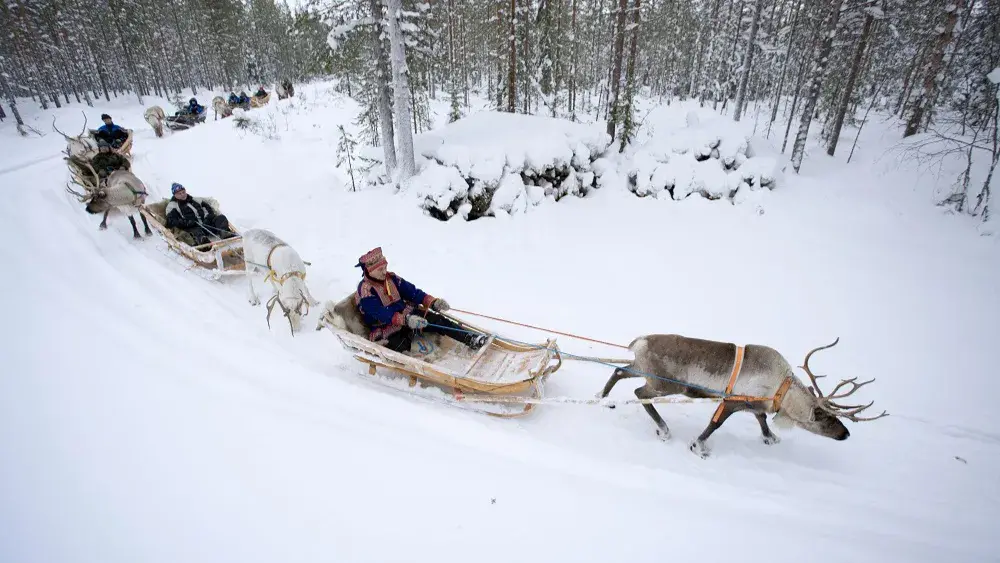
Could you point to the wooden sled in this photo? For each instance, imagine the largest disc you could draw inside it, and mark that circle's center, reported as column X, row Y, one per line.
column 220, row 256
column 256, row 102
column 498, row 368
column 124, row 150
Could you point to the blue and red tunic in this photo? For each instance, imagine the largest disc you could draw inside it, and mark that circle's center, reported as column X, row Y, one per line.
column 385, row 305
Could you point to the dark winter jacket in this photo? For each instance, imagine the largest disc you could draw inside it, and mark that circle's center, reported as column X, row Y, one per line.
column 194, row 109
column 385, row 319
column 244, row 99
column 260, row 93
column 187, row 214
column 109, row 160
column 234, row 100
column 114, row 134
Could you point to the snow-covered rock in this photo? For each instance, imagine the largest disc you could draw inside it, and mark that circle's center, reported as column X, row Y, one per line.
column 492, row 161
column 711, row 158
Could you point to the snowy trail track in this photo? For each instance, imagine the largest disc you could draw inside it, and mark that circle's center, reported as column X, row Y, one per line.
column 148, row 414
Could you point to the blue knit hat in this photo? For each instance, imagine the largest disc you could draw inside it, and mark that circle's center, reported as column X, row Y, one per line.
column 175, row 187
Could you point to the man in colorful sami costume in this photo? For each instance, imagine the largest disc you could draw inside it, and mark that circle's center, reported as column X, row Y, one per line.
column 387, row 304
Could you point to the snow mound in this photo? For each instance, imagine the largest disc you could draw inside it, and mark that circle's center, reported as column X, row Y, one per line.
column 494, row 163
column 713, row 159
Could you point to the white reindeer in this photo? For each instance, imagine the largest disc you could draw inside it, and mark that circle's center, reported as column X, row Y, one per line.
column 154, row 116
column 265, row 252
column 221, row 107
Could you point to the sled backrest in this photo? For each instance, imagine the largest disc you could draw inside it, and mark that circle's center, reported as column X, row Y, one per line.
column 353, row 322
column 159, row 209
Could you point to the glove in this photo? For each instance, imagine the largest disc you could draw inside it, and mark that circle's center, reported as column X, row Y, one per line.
column 440, row 305
column 416, row 322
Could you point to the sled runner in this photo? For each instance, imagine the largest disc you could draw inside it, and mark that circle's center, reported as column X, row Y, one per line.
column 499, row 368
column 220, row 256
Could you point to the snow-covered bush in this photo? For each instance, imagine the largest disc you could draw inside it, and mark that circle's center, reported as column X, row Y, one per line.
column 714, row 160
column 493, row 163
column 259, row 122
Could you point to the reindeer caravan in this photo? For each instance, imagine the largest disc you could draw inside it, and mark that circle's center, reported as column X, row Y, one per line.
column 224, row 107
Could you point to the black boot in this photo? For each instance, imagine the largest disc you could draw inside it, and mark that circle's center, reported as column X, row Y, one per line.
column 475, row 341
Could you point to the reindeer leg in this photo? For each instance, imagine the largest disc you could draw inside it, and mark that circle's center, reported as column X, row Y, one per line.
column 617, row 376
column 769, row 438
column 726, row 409
column 135, row 230
column 104, row 221
column 647, row 392
column 251, row 294
column 145, row 223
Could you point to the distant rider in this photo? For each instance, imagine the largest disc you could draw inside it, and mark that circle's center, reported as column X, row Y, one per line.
column 387, row 304
column 195, row 216
column 261, row 92
column 110, row 132
column 234, row 100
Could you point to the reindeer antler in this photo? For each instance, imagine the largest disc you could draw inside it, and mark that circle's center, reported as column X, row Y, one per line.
column 57, row 129
column 84, row 130
column 84, row 198
column 826, row 402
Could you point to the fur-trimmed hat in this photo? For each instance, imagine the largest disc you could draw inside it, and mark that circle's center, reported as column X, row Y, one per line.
column 370, row 259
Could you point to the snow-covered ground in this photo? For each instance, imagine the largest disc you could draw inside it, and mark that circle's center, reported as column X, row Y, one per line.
column 147, row 414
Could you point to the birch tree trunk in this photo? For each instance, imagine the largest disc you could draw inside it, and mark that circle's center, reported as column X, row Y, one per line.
column 401, row 88
column 816, row 82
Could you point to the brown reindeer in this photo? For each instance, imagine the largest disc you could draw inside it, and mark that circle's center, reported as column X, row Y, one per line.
column 122, row 191
column 755, row 379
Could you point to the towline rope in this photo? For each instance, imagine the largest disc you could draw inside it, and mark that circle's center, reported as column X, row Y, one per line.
column 720, row 395
column 541, row 328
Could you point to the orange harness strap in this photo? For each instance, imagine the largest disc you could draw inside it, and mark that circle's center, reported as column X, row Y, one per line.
column 780, row 393
column 737, row 366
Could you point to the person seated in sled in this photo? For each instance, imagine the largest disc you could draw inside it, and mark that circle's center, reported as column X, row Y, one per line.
column 193, row 109
column 234, row 100
column 107, row 161
column 388, row 304
column 260, row 92
column 110, row 132
column 195, row 216
column 244, row 99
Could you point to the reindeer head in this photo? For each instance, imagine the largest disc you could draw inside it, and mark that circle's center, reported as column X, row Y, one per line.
column 294, row 299
column 821, row 414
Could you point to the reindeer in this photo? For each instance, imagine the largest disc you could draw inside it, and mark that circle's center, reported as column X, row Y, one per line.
column 264, row 252
column 154, row 116
column 81, row 145
column 759, row 380
column 221, row 107
column 123, row 191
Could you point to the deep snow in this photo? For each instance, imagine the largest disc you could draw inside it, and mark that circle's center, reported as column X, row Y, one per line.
column 147, row 414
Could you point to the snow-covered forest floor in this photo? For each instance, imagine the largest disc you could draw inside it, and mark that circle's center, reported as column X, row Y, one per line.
column 147, row 414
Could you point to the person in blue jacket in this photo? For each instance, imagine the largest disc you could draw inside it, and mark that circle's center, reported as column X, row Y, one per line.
column 110, row 132
column 387, row 304
column 244, row 99
column 193, row 108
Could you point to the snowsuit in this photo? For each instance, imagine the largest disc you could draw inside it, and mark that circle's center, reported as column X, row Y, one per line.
column 197, row 218
column 113, row 134
column 384, row 306
column 234, row 100
column 106, row 162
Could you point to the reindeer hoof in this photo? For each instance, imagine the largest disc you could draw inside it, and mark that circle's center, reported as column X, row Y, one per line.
column 254, row 301
column 771, row 440
column 149, row 232
column 102, row 227
column 663, row 434
column 700, row 449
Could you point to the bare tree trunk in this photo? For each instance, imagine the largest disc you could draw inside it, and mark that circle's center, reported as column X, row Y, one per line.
column 573, row 63
column 401, row 88
column 852, row 77
column 921, row 107
column 616, row 72
column 512, row 60
column 784, row 67
column 816, row 82
column 748, row 62
column 386, row 132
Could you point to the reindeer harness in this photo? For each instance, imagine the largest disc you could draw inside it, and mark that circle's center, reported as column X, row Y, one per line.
column 779, row 395
column 273, row 276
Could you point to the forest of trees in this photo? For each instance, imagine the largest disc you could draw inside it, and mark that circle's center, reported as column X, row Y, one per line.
column 791, row 66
